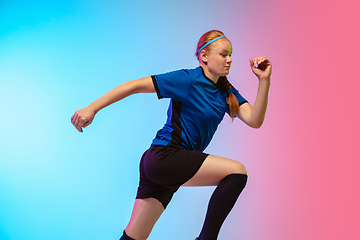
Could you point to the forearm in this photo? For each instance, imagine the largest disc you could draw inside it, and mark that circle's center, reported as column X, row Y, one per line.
column 114, row 95
column 258, row 112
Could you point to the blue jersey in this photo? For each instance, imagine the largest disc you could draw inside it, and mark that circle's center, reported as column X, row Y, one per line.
column 196, row 108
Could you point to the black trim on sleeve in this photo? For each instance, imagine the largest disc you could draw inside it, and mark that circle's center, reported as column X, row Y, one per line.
column 241, row 103
column 156, row 86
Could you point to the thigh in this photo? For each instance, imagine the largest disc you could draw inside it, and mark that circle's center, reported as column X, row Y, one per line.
column 170, row 166
column 213, row 170
column 143, row 218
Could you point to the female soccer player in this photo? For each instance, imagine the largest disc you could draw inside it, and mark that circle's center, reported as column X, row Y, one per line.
column 200, row 98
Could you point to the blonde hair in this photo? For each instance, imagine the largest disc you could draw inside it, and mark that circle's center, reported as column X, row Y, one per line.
column 222, row 82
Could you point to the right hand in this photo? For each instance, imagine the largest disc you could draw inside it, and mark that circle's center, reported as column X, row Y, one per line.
column 82, row 118
column 263, row 69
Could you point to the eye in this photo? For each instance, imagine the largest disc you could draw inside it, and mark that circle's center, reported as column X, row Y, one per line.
column 224, row 55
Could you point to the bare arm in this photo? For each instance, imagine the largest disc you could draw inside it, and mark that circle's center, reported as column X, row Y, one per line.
column 83, row 117
column 142, row 85
column 254, row 115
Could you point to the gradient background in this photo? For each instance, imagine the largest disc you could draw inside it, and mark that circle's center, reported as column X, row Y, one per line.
column 58, row 56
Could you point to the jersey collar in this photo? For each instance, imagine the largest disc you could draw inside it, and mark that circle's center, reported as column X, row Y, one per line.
column 215, row 84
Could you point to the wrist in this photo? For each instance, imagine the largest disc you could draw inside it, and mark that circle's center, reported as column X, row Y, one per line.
column 93, row 107
column 264, row 81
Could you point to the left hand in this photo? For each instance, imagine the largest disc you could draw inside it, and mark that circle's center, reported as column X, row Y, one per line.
column 263, row 69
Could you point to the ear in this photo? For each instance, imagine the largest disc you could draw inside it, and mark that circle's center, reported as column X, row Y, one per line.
column 203, row 55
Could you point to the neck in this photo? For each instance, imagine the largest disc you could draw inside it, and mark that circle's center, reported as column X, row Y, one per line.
column 208, row 74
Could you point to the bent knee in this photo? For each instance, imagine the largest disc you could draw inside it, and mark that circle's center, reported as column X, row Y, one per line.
column 240, row 168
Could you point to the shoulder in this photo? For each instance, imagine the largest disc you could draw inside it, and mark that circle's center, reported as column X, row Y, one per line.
column 182, row 75
column 181, row 72
column 175, row 84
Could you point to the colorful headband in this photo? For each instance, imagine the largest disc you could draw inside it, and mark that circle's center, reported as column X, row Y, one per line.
column 209, row 43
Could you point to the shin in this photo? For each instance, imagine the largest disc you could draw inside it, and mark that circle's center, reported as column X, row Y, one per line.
column 221, row 203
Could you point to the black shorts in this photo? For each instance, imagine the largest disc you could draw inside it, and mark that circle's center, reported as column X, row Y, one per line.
column 163, row 169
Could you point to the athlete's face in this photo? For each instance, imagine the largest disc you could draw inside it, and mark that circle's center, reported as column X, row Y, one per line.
column 219, row 57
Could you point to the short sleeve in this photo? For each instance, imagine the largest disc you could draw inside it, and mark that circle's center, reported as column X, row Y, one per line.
column 239, row 97
column 174, row 84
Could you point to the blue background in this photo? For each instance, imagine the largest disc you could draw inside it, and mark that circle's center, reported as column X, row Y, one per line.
column 57, row 57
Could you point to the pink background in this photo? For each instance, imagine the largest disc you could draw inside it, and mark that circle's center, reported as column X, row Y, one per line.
column 305, row 160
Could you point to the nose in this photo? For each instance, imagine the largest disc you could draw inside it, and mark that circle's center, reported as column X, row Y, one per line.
column 228, row 59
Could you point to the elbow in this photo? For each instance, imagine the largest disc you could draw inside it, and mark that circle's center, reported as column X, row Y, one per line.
column 253, row 124
column 134, row 87
column 256, row 125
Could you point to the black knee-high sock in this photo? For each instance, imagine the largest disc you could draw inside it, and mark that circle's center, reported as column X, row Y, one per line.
column 125, row 237
column 221, row 203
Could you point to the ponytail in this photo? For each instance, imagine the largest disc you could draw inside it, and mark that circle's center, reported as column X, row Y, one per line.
column 231, row 100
